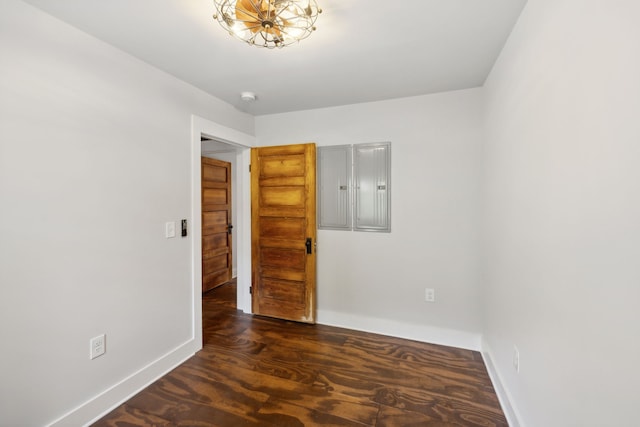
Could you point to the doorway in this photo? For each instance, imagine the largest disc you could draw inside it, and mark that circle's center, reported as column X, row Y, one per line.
column 209, row 137
column 217, row 176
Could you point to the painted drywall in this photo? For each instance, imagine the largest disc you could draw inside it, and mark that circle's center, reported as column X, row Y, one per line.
column 561, row 240
column 95, row 148
column 377, row 280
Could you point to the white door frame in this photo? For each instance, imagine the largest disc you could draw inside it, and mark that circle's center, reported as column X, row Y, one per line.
column 200, row 127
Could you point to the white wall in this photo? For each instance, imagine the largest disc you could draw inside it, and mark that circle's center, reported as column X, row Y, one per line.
column 94, row 158
column 562, row 213
column 376, row 281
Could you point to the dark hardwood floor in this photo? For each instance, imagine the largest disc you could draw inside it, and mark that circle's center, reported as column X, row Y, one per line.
column 257, row 371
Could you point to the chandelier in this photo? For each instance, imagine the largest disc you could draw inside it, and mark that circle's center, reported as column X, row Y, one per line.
column 268, row 23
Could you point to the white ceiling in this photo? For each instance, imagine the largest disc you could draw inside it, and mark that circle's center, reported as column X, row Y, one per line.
column 363, row 50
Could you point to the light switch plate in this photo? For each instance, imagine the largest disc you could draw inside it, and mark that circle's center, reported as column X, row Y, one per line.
column 170, row 229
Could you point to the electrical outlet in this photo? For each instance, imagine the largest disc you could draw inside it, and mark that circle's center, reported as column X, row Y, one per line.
column 516, row 359
column 430, row 295
column 97, row 346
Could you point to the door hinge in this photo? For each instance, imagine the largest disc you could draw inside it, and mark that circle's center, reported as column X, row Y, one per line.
column 249, row 168
column 250, row 290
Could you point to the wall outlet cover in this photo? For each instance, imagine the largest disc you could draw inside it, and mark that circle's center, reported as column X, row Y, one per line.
column 429, row 295
column 98, row 346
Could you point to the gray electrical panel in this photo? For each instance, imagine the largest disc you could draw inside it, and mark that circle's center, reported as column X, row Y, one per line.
column 354, row 187
column 372, row 174
column 334, row 193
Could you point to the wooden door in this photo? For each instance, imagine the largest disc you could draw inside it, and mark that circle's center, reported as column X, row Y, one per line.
column 216, row 223
column 283, row 230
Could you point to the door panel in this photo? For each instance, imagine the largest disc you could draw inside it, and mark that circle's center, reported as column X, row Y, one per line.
column 284, row 291
column 277, row 257
column 288, row 164
column 282, row 228
column 214, row 245
column 283, row 196
column 216, row 196
column 216, row 219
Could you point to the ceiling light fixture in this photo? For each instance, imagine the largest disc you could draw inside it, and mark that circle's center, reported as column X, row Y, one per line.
column 268, row 23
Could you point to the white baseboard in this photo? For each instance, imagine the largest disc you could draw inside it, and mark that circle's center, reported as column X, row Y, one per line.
column 100, row 405
column 503, row 394
column 429, row 334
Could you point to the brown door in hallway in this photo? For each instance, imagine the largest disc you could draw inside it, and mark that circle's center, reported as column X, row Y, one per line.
column 283, row 230
column 216, row 223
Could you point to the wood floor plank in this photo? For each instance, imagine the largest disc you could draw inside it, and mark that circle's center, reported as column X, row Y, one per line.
column 284, row 413
column 265, row 383
column 205, row 386
column 188, row 412
column 412, row 389
column 258, row 363
column 237, row 343
column 392, row 417
column 311, row 395
column 256, row 371
column 430, row 355
column 129, row 416
column 344, row 368
column 437, row 406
